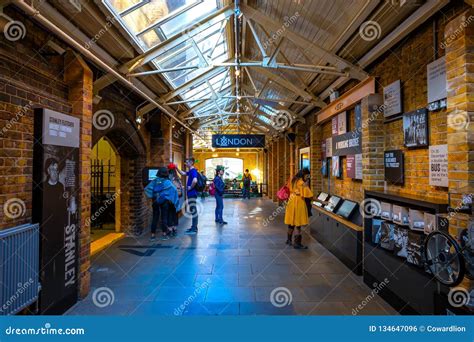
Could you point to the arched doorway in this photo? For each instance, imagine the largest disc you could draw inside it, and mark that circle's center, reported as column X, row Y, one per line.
column 105, row 190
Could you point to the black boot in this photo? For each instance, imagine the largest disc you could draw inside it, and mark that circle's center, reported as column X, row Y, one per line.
column 298, row 244
column 288, row 240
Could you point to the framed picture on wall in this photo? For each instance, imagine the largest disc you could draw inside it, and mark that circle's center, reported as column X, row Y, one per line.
column 336, row 167
column 415, row 128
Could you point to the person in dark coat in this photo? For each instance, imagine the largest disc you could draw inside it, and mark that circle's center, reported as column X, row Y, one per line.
column 219, row 195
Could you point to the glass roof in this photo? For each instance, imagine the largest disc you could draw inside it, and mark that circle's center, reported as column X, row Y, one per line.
column 151, row 22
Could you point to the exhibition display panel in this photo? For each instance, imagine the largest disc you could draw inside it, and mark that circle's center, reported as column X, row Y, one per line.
column 395, row 232
column 337, row 225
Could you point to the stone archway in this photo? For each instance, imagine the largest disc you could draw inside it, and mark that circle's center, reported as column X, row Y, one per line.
column 129, row 145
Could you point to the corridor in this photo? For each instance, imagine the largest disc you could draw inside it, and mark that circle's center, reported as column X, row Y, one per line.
column 243, row 268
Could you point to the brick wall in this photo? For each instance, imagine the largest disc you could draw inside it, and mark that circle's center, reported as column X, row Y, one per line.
column 27, row 80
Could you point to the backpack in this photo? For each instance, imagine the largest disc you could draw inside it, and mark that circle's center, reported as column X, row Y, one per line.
column 201, row 183
column 212, row 189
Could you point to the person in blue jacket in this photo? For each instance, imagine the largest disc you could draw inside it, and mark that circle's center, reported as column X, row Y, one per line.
column 219, row 195
column 166, row 203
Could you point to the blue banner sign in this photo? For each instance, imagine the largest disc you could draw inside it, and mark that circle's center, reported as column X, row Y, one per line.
column 237, row 329
column 238, row 140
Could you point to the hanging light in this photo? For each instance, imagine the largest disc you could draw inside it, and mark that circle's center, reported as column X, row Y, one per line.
column 237, row 72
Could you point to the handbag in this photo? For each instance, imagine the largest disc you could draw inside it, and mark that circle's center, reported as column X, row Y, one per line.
column 284, row 193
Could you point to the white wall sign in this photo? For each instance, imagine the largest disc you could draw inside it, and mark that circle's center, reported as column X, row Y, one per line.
column 439, row 165
column 328, row 147
column 358, row 166
column 335, row 121
column 436, row 74
column 392, row 99
column 342, row 123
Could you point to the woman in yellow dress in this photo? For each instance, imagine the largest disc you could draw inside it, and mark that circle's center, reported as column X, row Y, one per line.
column 296, row 214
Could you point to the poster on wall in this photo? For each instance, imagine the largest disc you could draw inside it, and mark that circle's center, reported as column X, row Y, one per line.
column 393, row 163
column 342, row 123
column 328, row 147
column 415, row 128
column 55, row 207
column 336, row 166
column 334, row 127
column 347, row 143
column 436, row 76
column 439, row 165
column 350, row 166
column 324, row 168
column 358, row 166
column 392, row 99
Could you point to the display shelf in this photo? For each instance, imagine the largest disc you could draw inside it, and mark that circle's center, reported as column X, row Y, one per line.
column 409, row 289
column 340, row 219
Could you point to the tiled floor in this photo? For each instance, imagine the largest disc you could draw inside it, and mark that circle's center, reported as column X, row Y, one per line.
column 243, row 268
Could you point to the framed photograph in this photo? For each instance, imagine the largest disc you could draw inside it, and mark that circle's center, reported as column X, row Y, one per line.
column 400, row 236
column 336, row 167
column 415, row 128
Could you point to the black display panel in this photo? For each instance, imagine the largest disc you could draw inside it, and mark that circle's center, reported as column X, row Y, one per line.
column 334, row 201
column 346, row 209
column 56, row 207
column 394, row 167
column 323, row 197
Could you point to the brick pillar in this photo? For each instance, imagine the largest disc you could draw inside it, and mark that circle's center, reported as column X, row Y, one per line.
column 372, row 143
column 292, row 154
column 459, row 38
column 275, row 170
column 315, row 158
column 79, row 78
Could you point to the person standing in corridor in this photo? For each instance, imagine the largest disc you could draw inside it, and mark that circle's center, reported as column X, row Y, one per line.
column 247, row 180
column 192, row 193
column 219, row 185
column 296, row 214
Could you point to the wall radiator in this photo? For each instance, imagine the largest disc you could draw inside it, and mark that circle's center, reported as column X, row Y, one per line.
column 19, row 268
